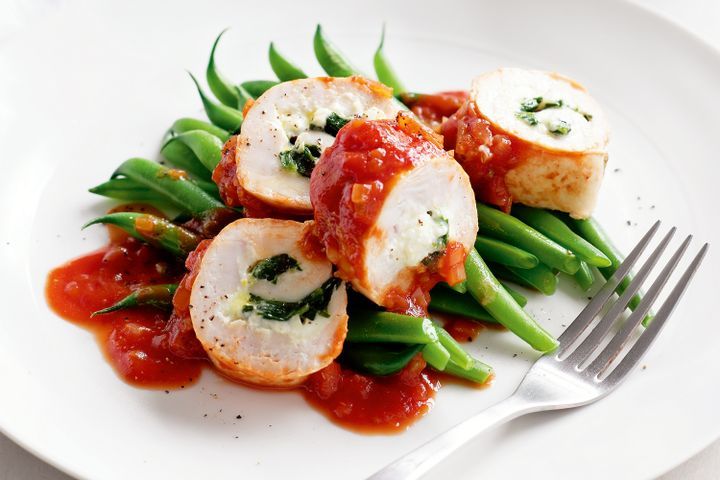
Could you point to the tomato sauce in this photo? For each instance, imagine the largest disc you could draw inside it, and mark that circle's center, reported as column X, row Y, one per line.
column 232, row 194
column 463, row 329
column 434, row 108
column 135, row 341
column 485, row 152
column 348, row 188
column 373, row 404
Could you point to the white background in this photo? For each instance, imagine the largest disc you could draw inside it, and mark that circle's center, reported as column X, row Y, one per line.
column 699, row 16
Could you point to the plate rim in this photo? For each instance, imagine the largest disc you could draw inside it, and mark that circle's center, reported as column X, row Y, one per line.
column 665, row 21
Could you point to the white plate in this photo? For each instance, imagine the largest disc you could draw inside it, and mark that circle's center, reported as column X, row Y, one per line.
column 93, row 83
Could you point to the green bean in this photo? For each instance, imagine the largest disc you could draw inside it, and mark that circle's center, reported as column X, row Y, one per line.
column 541, row 278
column 458, row 355
column 234, row 96
column 584, row 277
column 173, row 184
column 283, row 68
column 123, row 188
column 153, row 230
column 223, row 89
column 183, row 125
column 227, row 118
column 206, row 147
column 379, row 327
column 179, row 155
column 458, row 287
column 591, row 231
column 329, row 57
column 509, row 229
column 485, row 288
column 409, row 98
column 385, row 72
column 128, row 190
column 445, row 300
column 374, row 359
column 201, row 177
column 505, row 254
column 159, row 296
column 208, row 186
column 257, row 87
column 519, row 297
column 502, row 272
column 436, row 355
column 555, row 229
column 479, row 372
column 244, row 96
column 462, row 288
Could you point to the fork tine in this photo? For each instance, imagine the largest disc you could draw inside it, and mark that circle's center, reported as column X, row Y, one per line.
column 620, row 339
column 590, row 344
column 650, row 334
column 593, row 308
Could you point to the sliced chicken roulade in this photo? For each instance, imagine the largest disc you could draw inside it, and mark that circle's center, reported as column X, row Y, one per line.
column 531, row 137
column 394, row 211
column 289, row 126
column 266, row 311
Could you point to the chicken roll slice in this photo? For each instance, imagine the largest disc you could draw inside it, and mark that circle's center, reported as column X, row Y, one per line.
column 289, row 126
column 265, row 310
column 394, row 211
column 531, row 137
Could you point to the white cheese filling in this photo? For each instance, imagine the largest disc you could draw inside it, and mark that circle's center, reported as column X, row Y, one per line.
column 416, row 233
column 290, row 286
column 576, row 125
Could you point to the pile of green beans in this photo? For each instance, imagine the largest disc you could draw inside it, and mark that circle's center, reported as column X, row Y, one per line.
column 576, row 247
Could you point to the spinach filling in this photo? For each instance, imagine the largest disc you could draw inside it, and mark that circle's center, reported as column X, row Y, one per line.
column 300, row 159
column 559, row 127
column 334, row 123
column 527, row 117
column 530, row 106
column 538, row 104
column 315, row 303
column 271, row 268
column 439, row 244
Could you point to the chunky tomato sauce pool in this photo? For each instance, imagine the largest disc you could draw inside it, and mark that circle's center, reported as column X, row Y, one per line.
column 148, row 349
column 370, row 403
column 135, row 341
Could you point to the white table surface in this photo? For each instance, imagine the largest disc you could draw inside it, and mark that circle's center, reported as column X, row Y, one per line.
column 701, row 17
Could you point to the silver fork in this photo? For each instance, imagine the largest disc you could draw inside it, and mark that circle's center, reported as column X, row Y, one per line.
column 565, row 377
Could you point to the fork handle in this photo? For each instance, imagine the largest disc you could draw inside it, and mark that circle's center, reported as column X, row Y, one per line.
column 418, row 462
